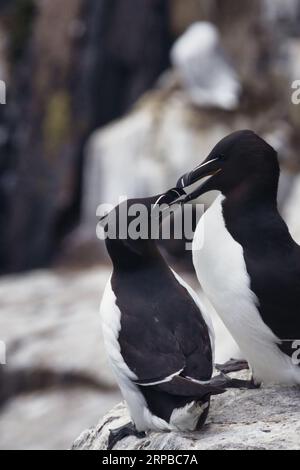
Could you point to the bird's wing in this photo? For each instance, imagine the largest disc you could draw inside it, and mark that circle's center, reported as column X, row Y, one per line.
column 183, row 387
column 150, row 350
column 160, row 339
column 276, row 284
column 273, row 264
column 164, row 368
column 202, row 309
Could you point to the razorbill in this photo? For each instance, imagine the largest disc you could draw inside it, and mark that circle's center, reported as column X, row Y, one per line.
column 158, row 338
column 247, row 262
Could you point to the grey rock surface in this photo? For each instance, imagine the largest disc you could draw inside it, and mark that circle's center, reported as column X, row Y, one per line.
column 268, row 418
column 51, row 419
column 50, row 320
column 56, row 380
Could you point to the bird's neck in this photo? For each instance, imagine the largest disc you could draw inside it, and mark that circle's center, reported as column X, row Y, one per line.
column 133, row 254
column 253, row 219
column 128, row 253
column 252, row 196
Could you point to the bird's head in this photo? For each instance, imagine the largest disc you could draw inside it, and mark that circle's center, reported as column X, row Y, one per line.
column 241, row 162
column 135, row 223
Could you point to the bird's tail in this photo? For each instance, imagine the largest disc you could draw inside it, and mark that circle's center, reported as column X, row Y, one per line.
column 185, row 387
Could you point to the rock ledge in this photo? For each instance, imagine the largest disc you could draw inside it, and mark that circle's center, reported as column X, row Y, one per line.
column 268, row 418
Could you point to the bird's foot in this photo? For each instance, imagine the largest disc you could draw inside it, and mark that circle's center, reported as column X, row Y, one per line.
column 234, row 365
column 255, row 384
column 223, row 381
column 241, row 384
column 118, row 434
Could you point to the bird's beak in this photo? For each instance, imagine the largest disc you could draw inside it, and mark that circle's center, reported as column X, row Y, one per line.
column 169, row 198
column 207, row 168
column 210, row 167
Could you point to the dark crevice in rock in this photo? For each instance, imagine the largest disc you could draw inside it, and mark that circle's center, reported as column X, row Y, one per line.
column 109, row 420
column 24, row 381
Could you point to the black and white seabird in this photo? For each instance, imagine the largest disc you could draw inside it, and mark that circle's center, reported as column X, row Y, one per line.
column 246, row 260
column 158, row 338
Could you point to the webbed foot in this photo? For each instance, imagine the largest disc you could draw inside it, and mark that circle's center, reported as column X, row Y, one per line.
column 234, row 365
column 120, row 433
column 222, row 380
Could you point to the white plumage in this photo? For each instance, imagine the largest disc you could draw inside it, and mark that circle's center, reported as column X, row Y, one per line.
column 221, row 270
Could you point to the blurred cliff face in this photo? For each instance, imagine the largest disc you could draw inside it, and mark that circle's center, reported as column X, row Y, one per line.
column 72, row 66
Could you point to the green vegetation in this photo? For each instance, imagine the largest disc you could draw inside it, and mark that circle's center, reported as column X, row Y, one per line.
column 57, row 122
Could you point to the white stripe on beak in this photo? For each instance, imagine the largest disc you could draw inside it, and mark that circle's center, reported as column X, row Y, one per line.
column 163, row 195
column 157, row 202
column 206, row 163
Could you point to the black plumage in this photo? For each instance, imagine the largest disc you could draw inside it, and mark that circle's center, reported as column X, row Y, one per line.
column 163, row 338
column 245, row 169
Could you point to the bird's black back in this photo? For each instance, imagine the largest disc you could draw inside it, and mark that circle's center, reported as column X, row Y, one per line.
column 162, row 331
column 273, row 263
column 161, row 321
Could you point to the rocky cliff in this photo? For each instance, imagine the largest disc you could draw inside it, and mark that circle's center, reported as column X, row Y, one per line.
column 72, row 66
column 263, row 419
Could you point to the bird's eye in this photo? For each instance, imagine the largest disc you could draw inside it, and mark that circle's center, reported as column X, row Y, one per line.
column 222, row 157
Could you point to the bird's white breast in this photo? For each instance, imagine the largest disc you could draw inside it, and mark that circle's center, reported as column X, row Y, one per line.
column 221, row 270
